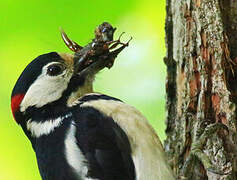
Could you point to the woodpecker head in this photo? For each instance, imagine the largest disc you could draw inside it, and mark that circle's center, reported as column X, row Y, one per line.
column 60, row 79
column 49, row 78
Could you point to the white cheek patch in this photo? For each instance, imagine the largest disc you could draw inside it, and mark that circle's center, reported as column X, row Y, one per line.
column 45, row 89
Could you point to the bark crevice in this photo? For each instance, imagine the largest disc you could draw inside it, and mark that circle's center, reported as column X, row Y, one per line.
column 201, row 88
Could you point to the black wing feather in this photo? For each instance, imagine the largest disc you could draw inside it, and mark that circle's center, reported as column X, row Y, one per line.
column 105, row 146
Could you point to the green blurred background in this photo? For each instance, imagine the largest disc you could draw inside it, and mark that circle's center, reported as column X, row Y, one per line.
column 29, row 28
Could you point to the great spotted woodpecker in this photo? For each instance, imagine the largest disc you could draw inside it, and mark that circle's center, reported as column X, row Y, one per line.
column 78, row 134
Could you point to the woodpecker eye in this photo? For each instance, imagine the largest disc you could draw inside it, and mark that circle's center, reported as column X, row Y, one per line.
column 54, row 70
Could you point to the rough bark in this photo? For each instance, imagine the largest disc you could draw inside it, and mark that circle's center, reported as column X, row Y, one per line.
column 201, row 41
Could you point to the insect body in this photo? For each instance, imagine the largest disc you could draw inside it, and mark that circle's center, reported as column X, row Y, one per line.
column 100, row 49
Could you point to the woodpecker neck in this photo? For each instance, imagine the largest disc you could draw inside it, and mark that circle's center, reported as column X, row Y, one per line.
column 74, row 96
column 44, row 120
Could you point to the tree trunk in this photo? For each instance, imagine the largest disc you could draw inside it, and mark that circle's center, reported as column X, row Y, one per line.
column 201, row 41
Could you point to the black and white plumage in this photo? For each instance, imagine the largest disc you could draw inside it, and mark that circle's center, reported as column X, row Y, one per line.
column 80, row 135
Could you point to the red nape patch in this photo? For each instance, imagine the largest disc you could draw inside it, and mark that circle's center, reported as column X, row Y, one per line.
column 15, row 103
